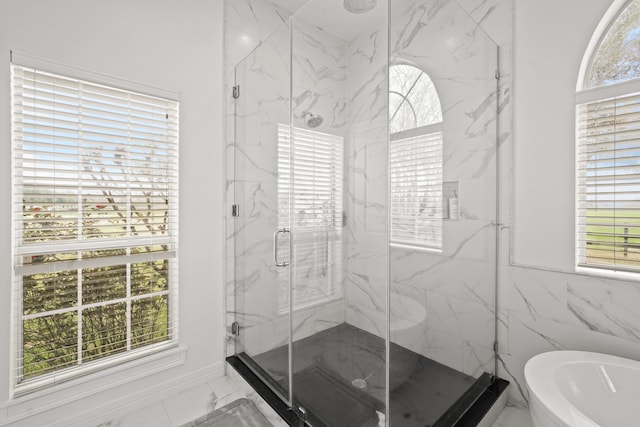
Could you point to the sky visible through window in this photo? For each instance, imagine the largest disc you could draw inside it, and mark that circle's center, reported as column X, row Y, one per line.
column 413, row 100
column 617, row 59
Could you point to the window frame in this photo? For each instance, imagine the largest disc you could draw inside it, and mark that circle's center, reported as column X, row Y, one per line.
column 80, row 372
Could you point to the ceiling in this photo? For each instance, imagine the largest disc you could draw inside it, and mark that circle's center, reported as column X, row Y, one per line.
column 331, row 16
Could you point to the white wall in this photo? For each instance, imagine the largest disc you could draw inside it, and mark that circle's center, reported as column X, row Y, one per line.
column 547, row 64
column 175, row 45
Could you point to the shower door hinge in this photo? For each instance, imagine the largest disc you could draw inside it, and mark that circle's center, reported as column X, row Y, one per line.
column 495, row 346
column 497, row 75
column 235, row 329
column 236, row 92
column 235, row 210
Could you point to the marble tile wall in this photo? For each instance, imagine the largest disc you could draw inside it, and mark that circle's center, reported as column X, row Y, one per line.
column 546, row 311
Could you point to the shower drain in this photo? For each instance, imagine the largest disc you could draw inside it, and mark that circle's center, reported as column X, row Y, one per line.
column 361, row 382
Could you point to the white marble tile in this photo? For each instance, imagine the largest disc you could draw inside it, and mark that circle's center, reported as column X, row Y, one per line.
column 194, row 403
column 409, row 335
column 470, row 321
column 256, row 163
column 468, row 157
column 319, row 76
column 529, row 336
column 464, row 279
column 367, row 79
column 472, row 240
column 513, row 416
column 536, row 293
column 366, row 291
column 408, row 303
column 444, row 348
column 330, row 314
column 477, row 198
column 605, row 305
column 190, row 404
column 512, row 370
column 256, row 199
column 248, row 23
column 225, row 391
column 367, row 319
column 251, row 394
column 477, row 359
column 152, row 415
column 494, row 16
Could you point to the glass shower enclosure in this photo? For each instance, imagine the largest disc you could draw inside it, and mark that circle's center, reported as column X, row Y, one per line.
column 364, row 221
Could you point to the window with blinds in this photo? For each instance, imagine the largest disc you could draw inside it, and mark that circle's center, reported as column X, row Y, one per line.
column 608, row 148
column 608, row 179
column 312, row 209
column 415, row 158
column 95, row 172
column 415, row 172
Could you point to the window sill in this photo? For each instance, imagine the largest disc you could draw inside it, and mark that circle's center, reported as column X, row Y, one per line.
column 415, row 248
column 608, row 274
column 25, row 403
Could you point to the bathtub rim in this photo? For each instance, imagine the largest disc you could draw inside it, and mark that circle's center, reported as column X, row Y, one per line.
column 543, row 389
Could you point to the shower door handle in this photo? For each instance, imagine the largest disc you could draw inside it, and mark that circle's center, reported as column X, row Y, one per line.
column 275, row 247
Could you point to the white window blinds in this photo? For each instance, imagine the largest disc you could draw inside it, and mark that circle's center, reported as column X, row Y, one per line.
column 608, row 182
column 95, row 172
column 316, row 220
column 416, row 190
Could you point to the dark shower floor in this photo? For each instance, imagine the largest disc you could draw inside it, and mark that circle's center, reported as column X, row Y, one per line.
column 422, row 392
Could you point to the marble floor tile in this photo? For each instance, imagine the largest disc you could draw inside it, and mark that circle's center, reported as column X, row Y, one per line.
column 190, row 404
column 152, row 415
column 225, row 391
column 252, row 395
column 514, row 417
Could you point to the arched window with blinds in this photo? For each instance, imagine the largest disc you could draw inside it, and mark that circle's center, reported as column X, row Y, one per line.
column 608, row 148
column 415, row 158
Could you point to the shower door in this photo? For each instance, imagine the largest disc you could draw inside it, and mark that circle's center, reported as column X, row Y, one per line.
column 261, row 223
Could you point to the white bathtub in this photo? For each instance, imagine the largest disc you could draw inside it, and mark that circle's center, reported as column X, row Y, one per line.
column 582, row 389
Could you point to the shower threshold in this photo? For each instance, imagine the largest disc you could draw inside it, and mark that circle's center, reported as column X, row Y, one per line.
column 339, row 378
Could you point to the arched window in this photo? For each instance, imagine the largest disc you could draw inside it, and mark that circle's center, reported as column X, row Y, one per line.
column 617, row 57
column 415, row 121
column 608, row 147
